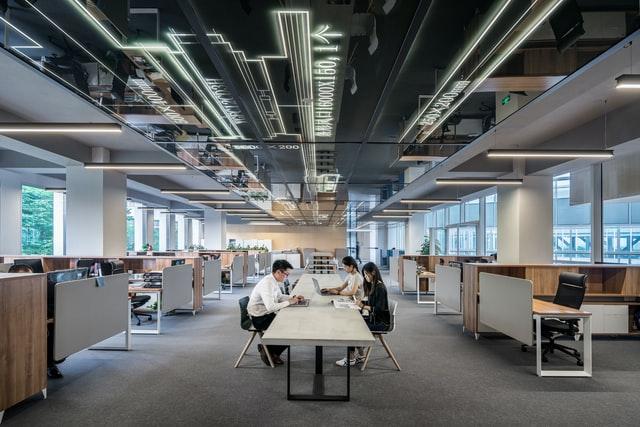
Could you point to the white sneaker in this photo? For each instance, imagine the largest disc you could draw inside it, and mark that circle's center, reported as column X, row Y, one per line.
column 343, row 362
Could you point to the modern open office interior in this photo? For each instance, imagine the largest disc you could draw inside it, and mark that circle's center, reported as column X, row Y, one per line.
column 311, row 212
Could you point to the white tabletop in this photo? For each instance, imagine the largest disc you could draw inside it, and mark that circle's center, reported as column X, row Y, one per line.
column 319, row 324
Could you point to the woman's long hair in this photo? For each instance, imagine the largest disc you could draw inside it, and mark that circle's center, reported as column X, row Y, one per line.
column 376, row 277
column 350, row 262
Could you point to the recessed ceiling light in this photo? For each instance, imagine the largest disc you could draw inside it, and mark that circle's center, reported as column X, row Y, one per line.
column 569, row 154
column 213, row 192
column 136, row 166
column 477, row 181
column 60, row 128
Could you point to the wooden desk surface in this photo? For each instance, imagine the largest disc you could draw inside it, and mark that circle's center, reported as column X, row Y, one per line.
column 427, row 274
column 140, row 289
column 549, row 309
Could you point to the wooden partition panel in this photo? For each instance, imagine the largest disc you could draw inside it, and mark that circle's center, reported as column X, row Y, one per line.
column 23, row 337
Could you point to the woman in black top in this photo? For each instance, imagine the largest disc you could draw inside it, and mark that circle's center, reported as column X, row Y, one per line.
column 377, row 304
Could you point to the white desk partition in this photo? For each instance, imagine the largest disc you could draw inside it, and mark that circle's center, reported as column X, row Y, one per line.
column 393, row 269
column 447, row 292
column 251, row 271
column 506, row 305
column 409, row 276
column 237, row 270
column 212, row 277
column 86, row 314
column 177, row 289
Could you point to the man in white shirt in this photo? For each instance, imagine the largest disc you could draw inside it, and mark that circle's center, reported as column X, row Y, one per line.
column 266, row 300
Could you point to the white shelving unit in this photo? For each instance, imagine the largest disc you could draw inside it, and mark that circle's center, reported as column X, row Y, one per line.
column 321, row 263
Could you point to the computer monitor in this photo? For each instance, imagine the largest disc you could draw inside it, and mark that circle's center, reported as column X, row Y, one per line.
column 114, row 266
column 34, row 263
column 177, row 262
column 54, row 277
column 91, row 264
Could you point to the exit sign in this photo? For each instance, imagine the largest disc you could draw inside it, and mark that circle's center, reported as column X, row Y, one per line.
column 506, row 100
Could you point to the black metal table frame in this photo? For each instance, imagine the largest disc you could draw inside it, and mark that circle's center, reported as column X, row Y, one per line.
column 318, row 381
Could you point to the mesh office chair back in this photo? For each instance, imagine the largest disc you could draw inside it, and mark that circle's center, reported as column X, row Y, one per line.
column 245, row 319
column 571, row 289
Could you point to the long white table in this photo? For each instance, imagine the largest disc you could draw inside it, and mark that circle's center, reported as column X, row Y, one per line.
column 320, row 325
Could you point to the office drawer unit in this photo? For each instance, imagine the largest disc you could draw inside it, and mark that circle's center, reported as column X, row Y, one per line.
column 608, row 318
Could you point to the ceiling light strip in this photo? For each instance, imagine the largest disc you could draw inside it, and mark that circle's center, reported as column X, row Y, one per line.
column 548, row 10
column 136, row 166
column 187, row 191
column 458, row 65
column 553, row 154
column 478, row 181
column 429, row 201
column 60, row 128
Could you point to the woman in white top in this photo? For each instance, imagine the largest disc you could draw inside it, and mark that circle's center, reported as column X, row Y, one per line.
column 352, row 286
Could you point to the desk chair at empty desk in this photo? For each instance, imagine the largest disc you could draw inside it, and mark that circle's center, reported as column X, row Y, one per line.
column 507, row 305
column 175, row 292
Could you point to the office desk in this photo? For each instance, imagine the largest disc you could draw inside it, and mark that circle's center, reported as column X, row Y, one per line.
column 544, row 309
column 152, row 291
column 320, row 325
column 426, row 278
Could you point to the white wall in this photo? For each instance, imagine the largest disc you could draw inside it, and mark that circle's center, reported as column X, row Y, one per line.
column 285, row 237
column 10, row 214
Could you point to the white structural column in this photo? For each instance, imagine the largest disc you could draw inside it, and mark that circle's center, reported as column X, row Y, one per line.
column 96, row 212
column 58, row 223
column 148, row 226
column 415, row 232
column 525, row 221
column 215, row 229
column 139, row 221
column 163, row 231
column 10, row 214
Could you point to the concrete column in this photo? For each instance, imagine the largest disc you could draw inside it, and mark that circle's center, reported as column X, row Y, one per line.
column 525, row 221
column 163, row 234
column 139, row 227
column 148, row 226
column 96, row 212
column 58, row 223
column 215, row 229
column 414, row 233
column 172, row 235
column 597, row 227
column 10, row 215
column 180, row 232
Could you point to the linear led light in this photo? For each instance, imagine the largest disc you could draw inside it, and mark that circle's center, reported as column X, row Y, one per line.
column 60, row 128
column 405, row 210
column 151, row 208
column 226, row 202
column 239, row 210
column 628, row 81
column 264, row 223
column 392, row 216
column 561, row 154
column 213, row 192
column 477, row 181
column 252, row 215
column 429, row 201
column 136, row 166
column 55, row 189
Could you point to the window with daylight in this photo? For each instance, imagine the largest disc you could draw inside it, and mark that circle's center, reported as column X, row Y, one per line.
column 572, row 216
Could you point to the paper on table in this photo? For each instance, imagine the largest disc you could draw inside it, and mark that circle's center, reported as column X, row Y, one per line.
column 345, row 303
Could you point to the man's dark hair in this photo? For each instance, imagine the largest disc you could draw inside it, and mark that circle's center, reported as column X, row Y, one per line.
column 281, row 264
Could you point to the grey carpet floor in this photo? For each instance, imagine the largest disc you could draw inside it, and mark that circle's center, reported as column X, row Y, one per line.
column 186, row 376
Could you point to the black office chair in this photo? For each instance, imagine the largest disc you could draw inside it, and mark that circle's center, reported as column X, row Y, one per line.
column 137, row 302
column 20, row 268
column 247, row 325
column 570, row 293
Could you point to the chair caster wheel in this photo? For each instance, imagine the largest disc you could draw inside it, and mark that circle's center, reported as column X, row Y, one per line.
column 580, row 363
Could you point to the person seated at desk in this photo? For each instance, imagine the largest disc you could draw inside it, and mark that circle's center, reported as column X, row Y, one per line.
column 353, row 285
column 266, row 300
column 376, row 309
column 374, row 306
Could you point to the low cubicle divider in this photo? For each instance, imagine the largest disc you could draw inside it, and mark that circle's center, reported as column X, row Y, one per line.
column 88, row 311
column 237, row 270
column 448, row 290
column 409, row 276
column 177, row 291
column 251, row 271
column 212, row 277
column 506, row 305
column 263, row 262
column 394, row 269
